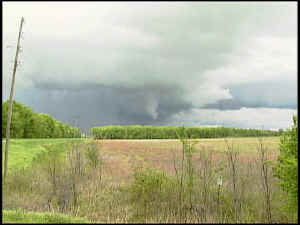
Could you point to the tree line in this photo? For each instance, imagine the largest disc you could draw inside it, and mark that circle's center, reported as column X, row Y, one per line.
column 28, row 124
column 174, row 132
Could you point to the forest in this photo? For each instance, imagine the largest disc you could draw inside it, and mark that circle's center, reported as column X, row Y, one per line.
column 173, row 132
column 28, row 124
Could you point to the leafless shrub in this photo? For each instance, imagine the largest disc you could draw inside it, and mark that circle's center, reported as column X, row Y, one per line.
column 265, row 173
column 232, row 159
column 206, row 177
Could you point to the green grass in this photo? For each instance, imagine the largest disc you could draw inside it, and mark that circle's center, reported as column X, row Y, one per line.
column 22, row 151
column 19, row 216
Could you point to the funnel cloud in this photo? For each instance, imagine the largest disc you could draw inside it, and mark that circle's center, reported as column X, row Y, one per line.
column 155, row 63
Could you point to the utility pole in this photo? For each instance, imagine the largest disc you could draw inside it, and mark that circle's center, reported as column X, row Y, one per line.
column 10, row 105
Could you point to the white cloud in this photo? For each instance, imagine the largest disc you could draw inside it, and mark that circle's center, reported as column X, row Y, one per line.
column 268, row 118
column 260, row 59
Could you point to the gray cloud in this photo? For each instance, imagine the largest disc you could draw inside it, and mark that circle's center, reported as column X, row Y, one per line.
column 267, row 118
column 104, row 105
column 271, row 94
column 143, row 63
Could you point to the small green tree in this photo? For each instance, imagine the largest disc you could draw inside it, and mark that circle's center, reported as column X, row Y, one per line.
column 286, row 168
column 4, row 118
column 29, row 117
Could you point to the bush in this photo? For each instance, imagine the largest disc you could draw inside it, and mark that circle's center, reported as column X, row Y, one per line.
column 287, row 166
column 147, row 183
column 153, row 193
column 92, row 154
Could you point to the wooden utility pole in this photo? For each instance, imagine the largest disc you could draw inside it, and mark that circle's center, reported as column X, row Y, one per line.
column 10, row 105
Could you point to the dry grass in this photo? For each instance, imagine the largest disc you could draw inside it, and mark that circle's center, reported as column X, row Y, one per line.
column 108, row 193
column 120, row 156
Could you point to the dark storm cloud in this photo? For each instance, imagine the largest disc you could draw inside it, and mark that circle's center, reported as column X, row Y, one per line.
column 144, row 63
column 102, row 105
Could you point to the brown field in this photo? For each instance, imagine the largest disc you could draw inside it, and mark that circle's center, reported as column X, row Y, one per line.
column 120, row 157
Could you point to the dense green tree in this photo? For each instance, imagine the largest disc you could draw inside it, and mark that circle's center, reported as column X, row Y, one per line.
column 28, row 124
column 170, row 132
column 29, row 117
column 287, row 166
column 47, row 124
column 17, row 121
column 4, row 118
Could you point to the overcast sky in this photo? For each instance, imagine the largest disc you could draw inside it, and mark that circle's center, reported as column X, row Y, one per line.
column 159, row 63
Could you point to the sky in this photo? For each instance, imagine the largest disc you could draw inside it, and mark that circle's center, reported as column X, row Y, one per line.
column 155, row 63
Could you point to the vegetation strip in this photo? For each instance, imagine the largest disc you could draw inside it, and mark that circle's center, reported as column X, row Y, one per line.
column 174, row 132
column 19, row 216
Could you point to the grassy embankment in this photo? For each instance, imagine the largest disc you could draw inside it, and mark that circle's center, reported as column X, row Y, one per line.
column 22, row 150
column 21, row 154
